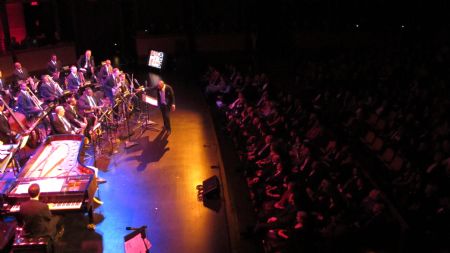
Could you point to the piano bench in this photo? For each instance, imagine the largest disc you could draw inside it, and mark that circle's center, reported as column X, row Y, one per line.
column 24, row 244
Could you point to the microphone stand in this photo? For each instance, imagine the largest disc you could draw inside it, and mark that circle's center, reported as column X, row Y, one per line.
column 128, row 142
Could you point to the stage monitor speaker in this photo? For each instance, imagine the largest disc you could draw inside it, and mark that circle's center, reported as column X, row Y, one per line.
column 211, row 188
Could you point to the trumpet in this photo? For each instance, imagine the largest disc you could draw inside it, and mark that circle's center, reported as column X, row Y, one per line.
column 38, row 103
column 59, row 91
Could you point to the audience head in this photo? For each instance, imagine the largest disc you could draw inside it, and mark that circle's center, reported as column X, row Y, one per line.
column 34, row 190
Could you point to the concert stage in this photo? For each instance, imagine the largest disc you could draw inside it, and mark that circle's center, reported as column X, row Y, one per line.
column 155, row 183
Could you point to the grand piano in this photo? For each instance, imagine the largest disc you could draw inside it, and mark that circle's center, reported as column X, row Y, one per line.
column 66, row 183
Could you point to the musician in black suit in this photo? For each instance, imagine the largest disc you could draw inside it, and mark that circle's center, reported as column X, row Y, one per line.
column 72, row 115
column 6, row 135
column 105, row 71
column 36, row 216
column 110, row 85
column 20, row 73
column 166, row 103
column 86, row 64
column 87, row 106
column 53, row 65
column 60, row 123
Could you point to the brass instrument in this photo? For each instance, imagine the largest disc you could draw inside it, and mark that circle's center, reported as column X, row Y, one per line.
column 32, row 82
column 38, row 103
column 59, row 90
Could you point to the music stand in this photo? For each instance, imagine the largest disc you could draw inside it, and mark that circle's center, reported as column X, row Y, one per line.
column 136, row 241
column 148, row 124
column 106, row 117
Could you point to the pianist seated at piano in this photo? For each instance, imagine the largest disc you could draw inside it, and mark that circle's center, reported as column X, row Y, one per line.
column 36, row 218
column 25, row 103
column 7, row 136
column 61, row 125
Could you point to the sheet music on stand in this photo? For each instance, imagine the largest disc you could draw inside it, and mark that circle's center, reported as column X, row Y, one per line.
column 149, row 124
column 150, row 100
column 7, row 152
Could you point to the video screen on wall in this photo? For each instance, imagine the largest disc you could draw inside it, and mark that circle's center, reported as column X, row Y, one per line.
column 155, row 59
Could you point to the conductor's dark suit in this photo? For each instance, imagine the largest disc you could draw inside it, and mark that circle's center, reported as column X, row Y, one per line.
column 166, row 107
column 37, row 219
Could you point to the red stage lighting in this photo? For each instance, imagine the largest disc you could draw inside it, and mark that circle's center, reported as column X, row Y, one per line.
column 34, row 3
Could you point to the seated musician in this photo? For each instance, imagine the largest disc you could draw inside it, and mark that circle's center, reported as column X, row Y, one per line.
column 61, row 125
column 86, row 64
column 88, row 105
column 36, row 217
column 72, row 115
column 25, row 103
column 6, row 134
column 73, row 80
column 49, row 90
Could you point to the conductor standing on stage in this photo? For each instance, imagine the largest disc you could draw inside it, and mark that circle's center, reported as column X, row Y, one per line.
column 166, row 103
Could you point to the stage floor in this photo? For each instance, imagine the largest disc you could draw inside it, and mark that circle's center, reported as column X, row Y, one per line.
column 154, row 184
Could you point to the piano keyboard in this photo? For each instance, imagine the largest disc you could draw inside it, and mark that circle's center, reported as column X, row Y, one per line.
column 54, row 206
